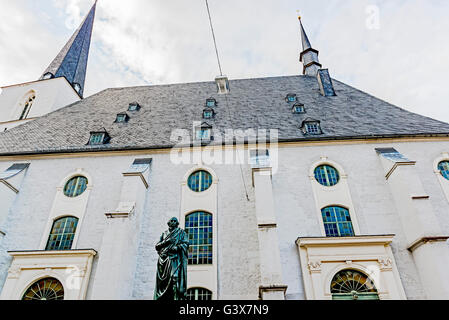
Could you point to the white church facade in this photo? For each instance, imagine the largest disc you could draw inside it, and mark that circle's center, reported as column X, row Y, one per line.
column 294, row 187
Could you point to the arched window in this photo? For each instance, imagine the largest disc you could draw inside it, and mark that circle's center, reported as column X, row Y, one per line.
column 337, row 222
column 199, row 228
column 45, row 289
column 62, row 234
column 327, row 175
column 200, row 181
column 353, row 285
column 199, row 294
column 27, row 104
column 75, row 186
column 443, row 166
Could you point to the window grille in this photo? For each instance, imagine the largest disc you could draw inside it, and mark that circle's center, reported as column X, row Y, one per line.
column 199, row 294
column 75, row 187
column 337, row 222
column 200, row 181
column 45, row 289
column 62, row 234
column 327, row 176
column 198, row 226
column 353, row 285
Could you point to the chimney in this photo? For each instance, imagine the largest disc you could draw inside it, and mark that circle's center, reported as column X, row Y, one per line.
column 325, row 83
column 222, row 84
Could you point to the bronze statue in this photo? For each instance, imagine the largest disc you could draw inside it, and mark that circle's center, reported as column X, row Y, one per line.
column 171, row 280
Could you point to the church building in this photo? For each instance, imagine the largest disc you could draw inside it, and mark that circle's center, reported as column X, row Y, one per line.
column 291, row 187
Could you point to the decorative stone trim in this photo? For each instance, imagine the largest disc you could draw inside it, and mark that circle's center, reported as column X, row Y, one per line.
column 425, row 240
column 276, row 288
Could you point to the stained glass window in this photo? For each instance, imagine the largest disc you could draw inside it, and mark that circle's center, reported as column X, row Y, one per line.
column 443, row 166
column 45, row 289
column 327, row 176
column 75, row 186
column 199, row 294
column 62, row 234
column 200, row 181
column 199, row 229
column 353, row 285
column 337, row 222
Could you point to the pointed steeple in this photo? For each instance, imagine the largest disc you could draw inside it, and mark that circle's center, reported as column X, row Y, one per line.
column 309, row 56
column 71, row 62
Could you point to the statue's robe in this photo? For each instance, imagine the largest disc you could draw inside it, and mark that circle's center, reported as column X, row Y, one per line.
column 171, row 279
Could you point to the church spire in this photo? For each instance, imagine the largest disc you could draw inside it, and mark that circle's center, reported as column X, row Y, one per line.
column 309, row 56
column 71, row 62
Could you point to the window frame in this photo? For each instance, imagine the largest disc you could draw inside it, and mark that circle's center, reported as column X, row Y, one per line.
column 337, row 222
column 204, row 261
column 62, row 234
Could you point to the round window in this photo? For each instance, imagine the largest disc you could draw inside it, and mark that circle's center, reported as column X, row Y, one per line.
column 327, row 176
column 443, row 166
column 200, row 181
column 75, row 186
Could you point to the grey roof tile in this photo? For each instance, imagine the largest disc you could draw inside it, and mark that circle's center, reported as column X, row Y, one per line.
column 252, row 103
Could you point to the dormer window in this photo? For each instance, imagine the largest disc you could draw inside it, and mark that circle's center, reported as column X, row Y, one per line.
column 208, row 113
column 48, row 75
column 122, row 118
column 211, row 103
column 311, row 127
column 204, row 132
column 298, row 108
column 99, row 137
column 77, row 87
column 134, row 106
column 291, row 97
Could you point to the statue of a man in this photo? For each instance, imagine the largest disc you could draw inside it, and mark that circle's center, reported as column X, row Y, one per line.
column 171, row 280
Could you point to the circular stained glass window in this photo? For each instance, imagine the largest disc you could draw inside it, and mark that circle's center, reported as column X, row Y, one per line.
column 45, row 289
column 443, row 166
column 75, row 186
column 200, row 181
column 327, row 176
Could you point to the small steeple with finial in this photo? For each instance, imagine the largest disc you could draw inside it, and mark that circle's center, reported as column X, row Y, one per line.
column 308, row 56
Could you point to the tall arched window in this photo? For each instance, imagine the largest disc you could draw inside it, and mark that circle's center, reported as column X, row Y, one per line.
column 353, row 285
column 27, row 104
column 337, row 222
column 199, row 294
column 199, row 228
column 62, row 234
column 45, row 289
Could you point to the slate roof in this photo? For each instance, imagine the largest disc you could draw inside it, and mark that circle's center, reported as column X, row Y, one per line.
column 71, row 62
column 252, row 103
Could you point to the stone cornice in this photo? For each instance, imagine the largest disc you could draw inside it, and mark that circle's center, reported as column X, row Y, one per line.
column 344, row 241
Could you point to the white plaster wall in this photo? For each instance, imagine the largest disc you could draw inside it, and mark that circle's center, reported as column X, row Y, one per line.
column 238, row 250
column 51, row 95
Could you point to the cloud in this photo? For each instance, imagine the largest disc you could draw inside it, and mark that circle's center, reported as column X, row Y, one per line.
column 140, row 42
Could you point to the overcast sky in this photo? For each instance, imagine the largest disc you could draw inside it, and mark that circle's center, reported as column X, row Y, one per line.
column 397, row 50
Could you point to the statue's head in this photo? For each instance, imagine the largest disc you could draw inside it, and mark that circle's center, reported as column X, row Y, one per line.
column 173, row 223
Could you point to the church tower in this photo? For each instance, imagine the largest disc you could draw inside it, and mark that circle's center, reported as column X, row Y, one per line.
column 61, row 84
